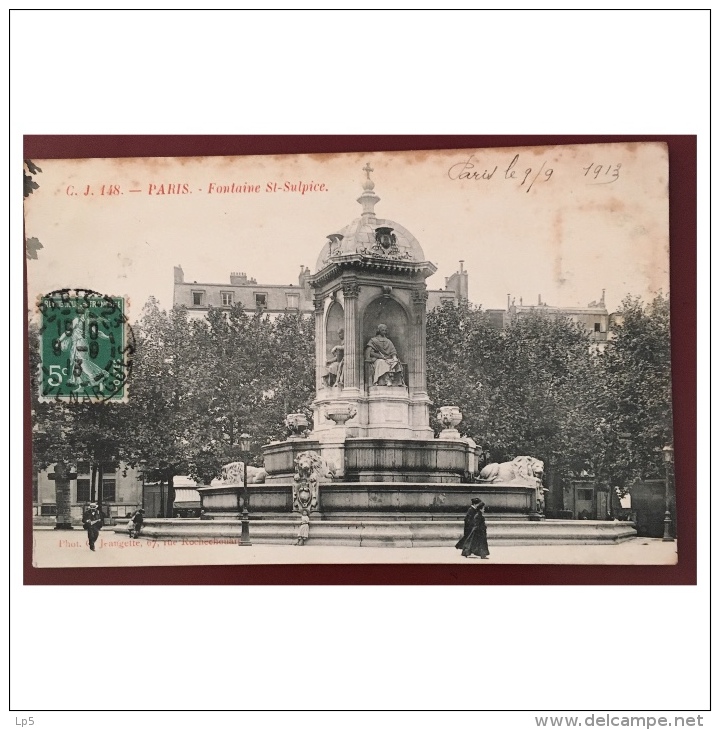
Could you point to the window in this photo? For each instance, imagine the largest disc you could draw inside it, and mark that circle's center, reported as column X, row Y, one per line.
column 47, row 510
column 197, row 297
column 597, row 326
column 261, row 301
column 585, row 495
column 108, row 490
column 83, row 490
column 226, row 297
column 293, row 301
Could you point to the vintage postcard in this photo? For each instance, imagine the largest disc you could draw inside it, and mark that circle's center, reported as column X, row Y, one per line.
column 437, row 356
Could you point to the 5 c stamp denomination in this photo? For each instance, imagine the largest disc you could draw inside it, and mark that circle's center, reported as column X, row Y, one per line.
column 86, row 346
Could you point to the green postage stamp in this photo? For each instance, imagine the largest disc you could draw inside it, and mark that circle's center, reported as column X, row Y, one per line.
column 86, row 346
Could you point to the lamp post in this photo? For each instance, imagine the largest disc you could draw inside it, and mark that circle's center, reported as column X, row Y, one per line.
column 668, row 453
column 245, row 534
column 625, row 438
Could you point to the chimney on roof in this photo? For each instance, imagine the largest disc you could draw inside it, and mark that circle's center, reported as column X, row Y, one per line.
column 237, row 278
column 179, row 274
column 458, row 282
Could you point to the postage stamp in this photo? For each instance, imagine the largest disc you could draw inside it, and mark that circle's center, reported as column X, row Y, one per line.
column 86, row 346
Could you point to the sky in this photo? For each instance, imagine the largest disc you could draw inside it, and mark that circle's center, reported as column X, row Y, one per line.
column 562, row 222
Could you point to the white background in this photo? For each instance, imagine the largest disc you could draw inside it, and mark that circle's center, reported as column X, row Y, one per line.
column 536, row 649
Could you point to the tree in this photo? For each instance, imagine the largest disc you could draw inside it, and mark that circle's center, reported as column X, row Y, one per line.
column 67, row 432
column 541, row 387
column 253, row 371
column 32, row 245
column 525, row 389
column 159, row 426
column 293, row 372
column 635, row 401
column 461, row 344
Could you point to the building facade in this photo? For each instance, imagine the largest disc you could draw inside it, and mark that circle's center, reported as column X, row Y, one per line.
column 276, row 299
column 595, row 318
column 121, row 492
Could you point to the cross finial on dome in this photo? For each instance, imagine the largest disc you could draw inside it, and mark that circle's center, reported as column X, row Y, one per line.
column 368, row 198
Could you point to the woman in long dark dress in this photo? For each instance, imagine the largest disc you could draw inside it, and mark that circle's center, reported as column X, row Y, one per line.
column 474, row 539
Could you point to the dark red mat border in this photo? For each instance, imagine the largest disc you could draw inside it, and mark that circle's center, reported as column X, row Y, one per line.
column 683, row 288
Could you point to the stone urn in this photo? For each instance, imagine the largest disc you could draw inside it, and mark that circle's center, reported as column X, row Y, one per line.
column 449, row 416
column 340, row 413
column 297, row 425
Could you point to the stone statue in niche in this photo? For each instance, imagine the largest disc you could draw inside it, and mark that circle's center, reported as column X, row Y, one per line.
column 381, row 352
column 334, row 371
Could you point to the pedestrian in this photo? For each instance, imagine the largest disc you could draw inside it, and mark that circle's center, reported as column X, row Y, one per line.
column 138, row 519
column 474, row 539
column 304, row 531
column 92, row 522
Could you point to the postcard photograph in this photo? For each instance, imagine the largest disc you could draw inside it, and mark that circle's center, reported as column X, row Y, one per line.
column 429, row 356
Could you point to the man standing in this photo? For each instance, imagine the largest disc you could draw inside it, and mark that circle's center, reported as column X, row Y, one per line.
column 381, row 352
column 92, row 522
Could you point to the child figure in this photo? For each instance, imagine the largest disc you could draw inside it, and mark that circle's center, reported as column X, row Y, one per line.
column 304, row 530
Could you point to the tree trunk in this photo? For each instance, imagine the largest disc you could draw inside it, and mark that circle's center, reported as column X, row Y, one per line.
column 93, row 482
column 62, row 476
column 100, row 487
column 170, row 502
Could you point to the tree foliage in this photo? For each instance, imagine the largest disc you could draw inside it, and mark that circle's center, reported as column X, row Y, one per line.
column 635, row 398
column 539, row 387
column 523, row 389
column 69, row 432
column 32, row 244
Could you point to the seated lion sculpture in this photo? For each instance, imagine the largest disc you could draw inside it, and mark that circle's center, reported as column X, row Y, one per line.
column 521, row 470
column 309, row 465
column 233, row 473
column 310, row 470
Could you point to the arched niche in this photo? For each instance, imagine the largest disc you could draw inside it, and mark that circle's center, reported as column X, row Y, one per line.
column 387, row 311
column 334, row 322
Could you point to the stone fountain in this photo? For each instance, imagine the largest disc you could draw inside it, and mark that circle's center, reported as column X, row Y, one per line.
column 371, row 471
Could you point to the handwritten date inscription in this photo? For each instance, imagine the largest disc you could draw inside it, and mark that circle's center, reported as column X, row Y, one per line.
column 602, row 174
column 526, row 176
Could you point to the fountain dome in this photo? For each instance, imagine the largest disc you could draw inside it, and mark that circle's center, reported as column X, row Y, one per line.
column 370, row 238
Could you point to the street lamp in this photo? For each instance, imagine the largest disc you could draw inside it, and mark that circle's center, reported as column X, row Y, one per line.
column 668, row 453
column 624, row 438
column 245, row 447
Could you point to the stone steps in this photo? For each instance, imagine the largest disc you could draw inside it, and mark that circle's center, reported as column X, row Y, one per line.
column 400, row 533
